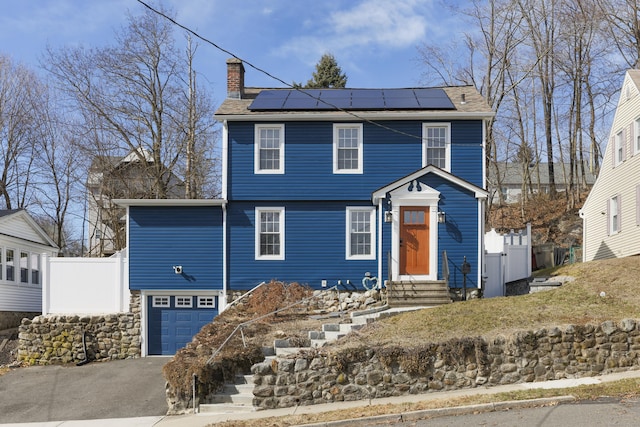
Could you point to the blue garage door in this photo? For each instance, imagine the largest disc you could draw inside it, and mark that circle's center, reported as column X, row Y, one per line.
column 173, row 320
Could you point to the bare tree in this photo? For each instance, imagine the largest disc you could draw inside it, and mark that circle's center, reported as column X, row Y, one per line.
column 134, row 92
column 19, row 89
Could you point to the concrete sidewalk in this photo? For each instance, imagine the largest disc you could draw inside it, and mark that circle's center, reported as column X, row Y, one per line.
column 201, row 420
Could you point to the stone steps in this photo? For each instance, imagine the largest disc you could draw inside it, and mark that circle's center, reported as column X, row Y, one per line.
column 418, row 293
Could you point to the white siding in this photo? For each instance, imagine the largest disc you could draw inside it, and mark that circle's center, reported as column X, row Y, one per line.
column 17, row 226
column 620, row 180
column 20, row 297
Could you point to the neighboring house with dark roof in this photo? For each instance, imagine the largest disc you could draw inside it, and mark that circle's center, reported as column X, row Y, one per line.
column 324, row 190
column 511, row 177
column 116, row 177
column 22, row 243
column 611, row 213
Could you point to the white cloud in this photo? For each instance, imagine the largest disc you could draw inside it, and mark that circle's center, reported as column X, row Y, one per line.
column 370, row 24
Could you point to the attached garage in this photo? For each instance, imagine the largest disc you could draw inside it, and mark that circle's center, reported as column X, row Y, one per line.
column 173, row 320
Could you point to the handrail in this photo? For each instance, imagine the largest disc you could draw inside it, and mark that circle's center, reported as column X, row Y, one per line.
column 241, row 325
column 249, row 292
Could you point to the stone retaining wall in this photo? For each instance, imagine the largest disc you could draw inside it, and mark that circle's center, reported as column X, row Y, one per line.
column 12, row 319
column 53, row 339
column 545, row 354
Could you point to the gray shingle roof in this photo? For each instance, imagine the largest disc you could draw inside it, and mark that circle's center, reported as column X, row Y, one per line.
column 511, row 173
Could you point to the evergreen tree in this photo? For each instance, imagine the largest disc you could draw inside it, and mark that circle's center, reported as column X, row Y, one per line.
column 328, row 74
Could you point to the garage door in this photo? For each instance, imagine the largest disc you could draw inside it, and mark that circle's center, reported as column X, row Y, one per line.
column 173, row 320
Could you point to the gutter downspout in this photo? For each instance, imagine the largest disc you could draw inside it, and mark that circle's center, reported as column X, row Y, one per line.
column 380, row 230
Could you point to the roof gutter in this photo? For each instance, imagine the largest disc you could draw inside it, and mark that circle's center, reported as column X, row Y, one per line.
column 359, row 115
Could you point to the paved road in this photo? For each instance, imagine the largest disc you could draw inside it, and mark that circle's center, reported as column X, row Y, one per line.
column 602, row 412
column 117, row 389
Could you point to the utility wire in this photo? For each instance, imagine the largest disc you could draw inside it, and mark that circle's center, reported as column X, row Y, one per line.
column 204, row 39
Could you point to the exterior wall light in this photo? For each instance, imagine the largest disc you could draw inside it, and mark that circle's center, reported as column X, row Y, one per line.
column 177, row 269
column 442, row 217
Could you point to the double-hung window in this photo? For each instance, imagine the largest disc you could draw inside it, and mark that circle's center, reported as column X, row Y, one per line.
column 270, row 233
column 10, row 265
column 347, row 148
column 361, row 233
column 436, row 145
column 614, row 215
column 636, row 136
column 269, row 149
column 618, row 153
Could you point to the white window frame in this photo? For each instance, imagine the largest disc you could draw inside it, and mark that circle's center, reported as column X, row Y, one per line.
column 203, row 301
column 6, row 265
column 636, row 136
column 34, row 267
column 425, row 143
column 257, row 141
column 614, row 215
column 618, row 153
column 1, row 264
column 160, row 301
column 337, row 127
column 183, row 301
column 372, row 232
column 258, row 231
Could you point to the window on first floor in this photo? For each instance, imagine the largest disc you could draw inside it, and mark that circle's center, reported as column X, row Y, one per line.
column 10, row 265
column 206, row 302
column 614, row 215
column 269, row 240
column 35, row 269
column 24, row 267
column 436, row 145
column 186, row 302
column 360, row 233
column 160, row 301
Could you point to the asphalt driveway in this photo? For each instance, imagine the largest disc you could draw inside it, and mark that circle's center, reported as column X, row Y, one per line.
column 115, row 389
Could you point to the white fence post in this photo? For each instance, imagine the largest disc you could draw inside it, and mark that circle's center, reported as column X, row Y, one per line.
column 46, row 283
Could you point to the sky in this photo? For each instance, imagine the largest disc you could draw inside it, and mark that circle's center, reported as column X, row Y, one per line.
column 374, row 41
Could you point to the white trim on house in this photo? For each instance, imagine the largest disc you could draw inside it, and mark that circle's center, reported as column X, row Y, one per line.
column 168, row 202
column 427, row 197
column 358, row 115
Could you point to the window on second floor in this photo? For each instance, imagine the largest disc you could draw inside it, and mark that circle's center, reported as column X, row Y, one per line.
column 636, row 136
column 270, row 233
column 347, row 148
column 436, row 145
column 269, row 149
column 618, row 148
column 361, row 234
column 614, row 215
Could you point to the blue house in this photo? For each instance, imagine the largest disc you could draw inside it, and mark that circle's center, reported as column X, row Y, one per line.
column 321, row 187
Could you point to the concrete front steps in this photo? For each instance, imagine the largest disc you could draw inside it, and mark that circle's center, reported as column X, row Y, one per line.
column 234, row 398
column 412, row 293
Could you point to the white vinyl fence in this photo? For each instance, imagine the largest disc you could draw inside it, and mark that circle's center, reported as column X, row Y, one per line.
column 507, row 259
column 85, row 285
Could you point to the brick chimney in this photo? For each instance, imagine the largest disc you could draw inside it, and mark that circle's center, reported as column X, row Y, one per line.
column 235, row 78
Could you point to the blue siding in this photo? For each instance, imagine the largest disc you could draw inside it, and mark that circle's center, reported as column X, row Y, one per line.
column 161, row 237
column 314, row 246
column 387, row 155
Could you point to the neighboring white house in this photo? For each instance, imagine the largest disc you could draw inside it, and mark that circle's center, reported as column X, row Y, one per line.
column 22, row 245
column 611, row 213
column 512, row 175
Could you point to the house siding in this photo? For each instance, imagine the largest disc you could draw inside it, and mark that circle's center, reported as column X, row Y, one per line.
column 161, row 237
column 598, row 244
column 387, row 155
column 314, row 246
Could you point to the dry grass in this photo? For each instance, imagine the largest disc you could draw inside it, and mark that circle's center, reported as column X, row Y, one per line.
column 577, row 303
column 624, row 389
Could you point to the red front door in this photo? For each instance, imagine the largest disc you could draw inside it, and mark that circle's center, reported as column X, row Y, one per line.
column 414, row 240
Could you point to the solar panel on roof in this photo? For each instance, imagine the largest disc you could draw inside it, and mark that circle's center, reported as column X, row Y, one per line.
column 352, row 99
